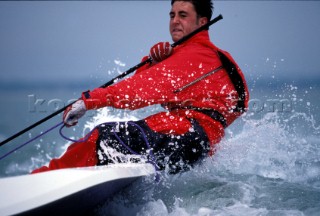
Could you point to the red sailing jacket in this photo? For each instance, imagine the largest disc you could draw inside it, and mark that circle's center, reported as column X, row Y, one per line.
column 215, row 101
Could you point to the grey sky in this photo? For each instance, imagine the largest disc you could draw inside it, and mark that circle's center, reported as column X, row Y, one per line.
column 64, row 40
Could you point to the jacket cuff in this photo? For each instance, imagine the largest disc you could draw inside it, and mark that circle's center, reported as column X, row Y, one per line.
column 90, row 101
column 146, row 66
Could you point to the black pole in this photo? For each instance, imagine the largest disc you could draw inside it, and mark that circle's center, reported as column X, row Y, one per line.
column 206, row 26
column 114, row 79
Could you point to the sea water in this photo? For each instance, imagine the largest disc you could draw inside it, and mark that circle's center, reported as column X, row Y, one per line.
column 267, row 164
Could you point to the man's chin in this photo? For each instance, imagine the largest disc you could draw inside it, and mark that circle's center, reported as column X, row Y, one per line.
column 176, row 37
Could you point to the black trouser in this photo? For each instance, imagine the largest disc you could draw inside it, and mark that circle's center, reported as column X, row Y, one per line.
column 172, row 152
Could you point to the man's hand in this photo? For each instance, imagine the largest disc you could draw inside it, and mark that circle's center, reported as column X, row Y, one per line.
column 73, row 113
column 160, row 51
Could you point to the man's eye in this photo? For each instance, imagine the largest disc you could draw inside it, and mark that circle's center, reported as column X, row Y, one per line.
column 183, row 15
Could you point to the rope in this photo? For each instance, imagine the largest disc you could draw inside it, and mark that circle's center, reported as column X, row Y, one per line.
column 29, row 141
column 84, row 139
column 152, row 161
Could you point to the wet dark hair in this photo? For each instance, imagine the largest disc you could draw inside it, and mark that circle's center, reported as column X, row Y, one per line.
column 204, row 8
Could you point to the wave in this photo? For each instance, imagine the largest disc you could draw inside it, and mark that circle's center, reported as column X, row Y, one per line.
column 270, row 166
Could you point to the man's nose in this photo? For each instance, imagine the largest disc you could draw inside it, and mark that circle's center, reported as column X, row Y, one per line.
column 176, row 19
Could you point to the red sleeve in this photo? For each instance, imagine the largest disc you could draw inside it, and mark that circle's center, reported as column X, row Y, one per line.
column 147, row 87
column 156, row 84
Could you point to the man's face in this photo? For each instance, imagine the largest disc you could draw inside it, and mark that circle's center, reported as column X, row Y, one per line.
column 184, row 20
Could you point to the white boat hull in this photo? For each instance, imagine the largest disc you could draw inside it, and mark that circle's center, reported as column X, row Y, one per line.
column 66, row 191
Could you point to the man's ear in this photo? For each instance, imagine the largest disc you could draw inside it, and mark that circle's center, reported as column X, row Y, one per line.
column 203, row 21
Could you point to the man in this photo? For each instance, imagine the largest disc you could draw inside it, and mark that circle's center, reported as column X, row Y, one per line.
column 200, row 86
